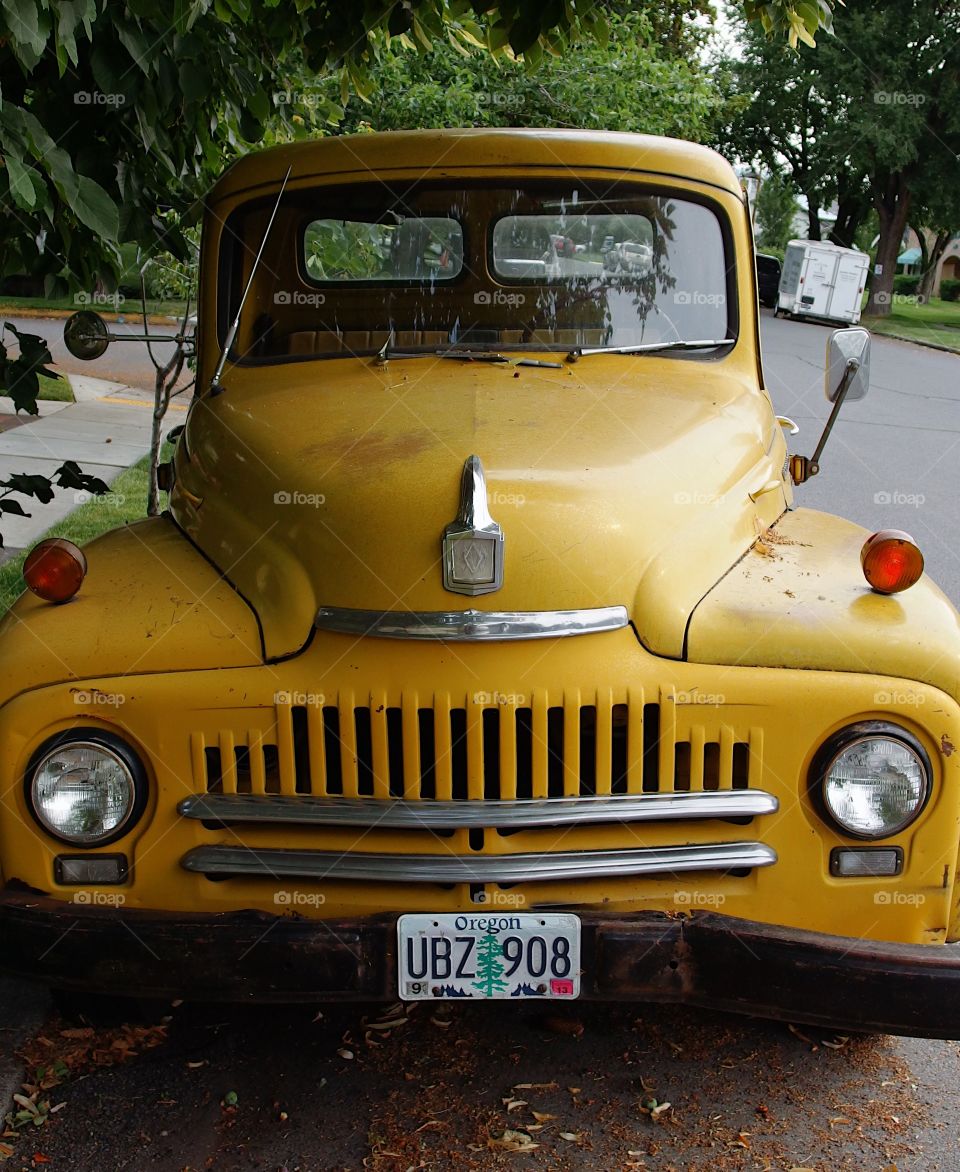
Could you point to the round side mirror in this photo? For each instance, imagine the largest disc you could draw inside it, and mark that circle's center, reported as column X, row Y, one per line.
column 85, row 335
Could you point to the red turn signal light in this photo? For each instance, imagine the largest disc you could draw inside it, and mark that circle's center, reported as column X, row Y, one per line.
column 891, row 561
column 55, row 569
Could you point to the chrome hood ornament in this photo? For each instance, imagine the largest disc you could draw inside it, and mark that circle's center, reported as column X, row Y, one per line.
column 473, row 543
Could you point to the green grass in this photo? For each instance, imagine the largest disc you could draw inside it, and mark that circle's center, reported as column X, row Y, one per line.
column 126, row 501
column 937, row 321
column 57, row 390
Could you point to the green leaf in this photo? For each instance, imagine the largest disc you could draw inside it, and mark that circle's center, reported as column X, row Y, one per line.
column 95, row 209
column 21, row 185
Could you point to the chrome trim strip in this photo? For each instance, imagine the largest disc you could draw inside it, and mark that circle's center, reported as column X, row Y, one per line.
column 304, row 810
column 395, row 868
column 471, row 625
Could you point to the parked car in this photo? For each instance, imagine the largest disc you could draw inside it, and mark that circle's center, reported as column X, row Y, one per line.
column 629, row 257
column 768, row 279
column 483, row 651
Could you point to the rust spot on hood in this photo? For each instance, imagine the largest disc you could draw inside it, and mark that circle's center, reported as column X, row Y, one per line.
column 947, row 746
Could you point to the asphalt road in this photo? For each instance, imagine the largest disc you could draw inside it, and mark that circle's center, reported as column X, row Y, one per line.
column 234, row 1088
column 891, row 460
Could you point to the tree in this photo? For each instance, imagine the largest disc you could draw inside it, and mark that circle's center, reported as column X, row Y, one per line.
column 783, row 117
column 489, row 966
column 776, row 209
column 876, row 108
column 630, row 82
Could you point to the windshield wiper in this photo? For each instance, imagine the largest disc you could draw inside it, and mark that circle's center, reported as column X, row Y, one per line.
column 385, row 354
column 652, row 347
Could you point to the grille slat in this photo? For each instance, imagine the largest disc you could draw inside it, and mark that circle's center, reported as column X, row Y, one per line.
column 481, row 752
column 287, row 762
column 603, row 758
column 381, row 750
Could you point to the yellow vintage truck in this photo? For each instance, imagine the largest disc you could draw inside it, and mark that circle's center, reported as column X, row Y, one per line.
column 483, row 651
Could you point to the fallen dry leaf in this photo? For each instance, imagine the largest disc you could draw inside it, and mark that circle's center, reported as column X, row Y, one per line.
column 513, row 1141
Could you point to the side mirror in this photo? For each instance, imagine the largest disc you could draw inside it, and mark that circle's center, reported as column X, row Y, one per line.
column 85, row 335
column 847, row 377
column 848, row 357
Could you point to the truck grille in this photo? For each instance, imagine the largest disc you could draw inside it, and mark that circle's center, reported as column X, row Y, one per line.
column 497, row 751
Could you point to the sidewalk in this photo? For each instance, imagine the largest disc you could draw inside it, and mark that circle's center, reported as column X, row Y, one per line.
column 104, row 431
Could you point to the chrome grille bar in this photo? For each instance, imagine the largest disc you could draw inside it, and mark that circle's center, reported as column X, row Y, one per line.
column 471, row 625
column 479, row 814
column 395, row 868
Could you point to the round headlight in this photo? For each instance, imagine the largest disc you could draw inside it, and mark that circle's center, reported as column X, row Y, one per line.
column 874, row 779
column 85, row 791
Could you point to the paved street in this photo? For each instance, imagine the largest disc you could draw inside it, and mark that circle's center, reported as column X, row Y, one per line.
column 284, row 1089
column 891, row 462
column 124, row 362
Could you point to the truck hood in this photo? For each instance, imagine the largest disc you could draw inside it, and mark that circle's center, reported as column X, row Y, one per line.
column 799, row 599
column 617, row 481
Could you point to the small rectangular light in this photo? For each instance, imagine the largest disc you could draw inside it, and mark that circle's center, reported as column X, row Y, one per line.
column 90, row 870
column 865, row 862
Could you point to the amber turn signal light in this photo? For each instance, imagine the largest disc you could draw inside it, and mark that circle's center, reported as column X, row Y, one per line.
column 891, row 561
column 55, row 569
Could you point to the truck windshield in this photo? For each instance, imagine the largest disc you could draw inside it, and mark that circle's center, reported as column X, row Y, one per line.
column 486, row 267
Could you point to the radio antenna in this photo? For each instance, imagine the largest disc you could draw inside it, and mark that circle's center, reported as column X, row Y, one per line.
column 216, row 387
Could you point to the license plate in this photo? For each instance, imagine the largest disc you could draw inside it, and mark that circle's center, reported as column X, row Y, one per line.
column 488, row 956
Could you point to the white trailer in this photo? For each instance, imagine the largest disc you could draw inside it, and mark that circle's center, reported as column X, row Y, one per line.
column 823, row 281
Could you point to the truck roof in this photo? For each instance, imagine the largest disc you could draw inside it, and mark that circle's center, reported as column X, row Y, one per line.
column 444, row 153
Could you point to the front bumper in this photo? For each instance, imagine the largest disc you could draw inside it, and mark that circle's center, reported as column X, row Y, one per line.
column 705, row 959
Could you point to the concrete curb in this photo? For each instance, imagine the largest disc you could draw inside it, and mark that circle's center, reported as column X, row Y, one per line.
column 915, row 341
column 86, row 388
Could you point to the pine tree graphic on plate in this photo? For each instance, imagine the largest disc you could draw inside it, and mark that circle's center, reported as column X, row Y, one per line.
column 489, row 966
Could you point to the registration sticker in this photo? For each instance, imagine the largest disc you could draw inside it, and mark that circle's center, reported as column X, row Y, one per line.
column 488, row 956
